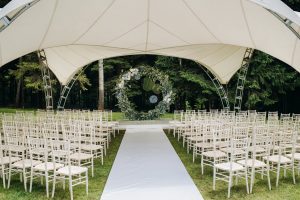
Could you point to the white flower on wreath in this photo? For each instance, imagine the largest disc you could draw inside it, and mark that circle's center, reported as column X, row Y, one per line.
column 134, row 71
column 121, row 84
column 167, row 98
column 127, row 76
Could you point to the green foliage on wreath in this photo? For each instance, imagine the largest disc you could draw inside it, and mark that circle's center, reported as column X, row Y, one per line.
column 153, row 77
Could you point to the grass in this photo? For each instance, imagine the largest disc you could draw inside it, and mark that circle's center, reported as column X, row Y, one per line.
column 286, row 190
column 96, row 184
column 117, row 116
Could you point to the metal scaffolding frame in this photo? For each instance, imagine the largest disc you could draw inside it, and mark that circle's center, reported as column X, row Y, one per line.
column 66, row 90
column 46, row 75
column 8, row 20
column 288, row 23
column 242, row 75
column 220, row 88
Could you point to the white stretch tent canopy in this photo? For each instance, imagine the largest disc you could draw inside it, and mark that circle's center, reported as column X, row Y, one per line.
column 214, row 33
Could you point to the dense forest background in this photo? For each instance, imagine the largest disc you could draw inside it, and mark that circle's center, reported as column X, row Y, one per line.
column 271, row 84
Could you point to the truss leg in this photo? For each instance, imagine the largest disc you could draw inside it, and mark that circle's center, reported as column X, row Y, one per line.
column 66, row 90
column 46, row 75
column 220, row 89
column 242, row 74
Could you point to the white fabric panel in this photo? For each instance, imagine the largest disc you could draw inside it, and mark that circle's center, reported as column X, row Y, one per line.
column 148, row 168
column 230, row 26
column 65, row 61
column 222, row 60
column 121, row 18
column 270, row 35
column 24, row 35
column 280, row 8
column 214, row 33
column 72, row 19
column 186, row 27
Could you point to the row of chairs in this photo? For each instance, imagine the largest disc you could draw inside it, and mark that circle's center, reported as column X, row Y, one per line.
column 56, row 147
column 241, row 145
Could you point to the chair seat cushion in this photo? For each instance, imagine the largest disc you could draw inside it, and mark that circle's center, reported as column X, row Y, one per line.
column 214, row 154
column 72, row 170
column 50, row 166
column 81, row 156
column 276, row 158
column 226, row 166
column 296, row 156
column 5, row 160
column 250, row 162
column 26, row 163
column 91, row 147
column 257, row 149
column 236, row 151
column 203, row 145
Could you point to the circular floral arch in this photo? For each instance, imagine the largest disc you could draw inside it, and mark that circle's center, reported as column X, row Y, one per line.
column 155, row 75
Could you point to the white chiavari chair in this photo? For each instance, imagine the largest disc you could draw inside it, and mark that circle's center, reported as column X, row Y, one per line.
column 76, row 175
column 225, row 171
column 279, row 159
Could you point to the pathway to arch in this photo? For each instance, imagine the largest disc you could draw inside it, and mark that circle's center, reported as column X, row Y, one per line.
column 147, row 167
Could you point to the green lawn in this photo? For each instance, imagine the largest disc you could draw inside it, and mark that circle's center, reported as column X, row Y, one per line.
column 286, row 190
column 96, row 184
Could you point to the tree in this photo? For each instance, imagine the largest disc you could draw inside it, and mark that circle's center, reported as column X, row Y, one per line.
column 101, row 86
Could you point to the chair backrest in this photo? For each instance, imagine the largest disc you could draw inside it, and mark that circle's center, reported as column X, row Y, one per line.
column 273, row 118
column 261, row 141
column 60, row 153
column 38, row 149
column 239, row 143
column 50, row 131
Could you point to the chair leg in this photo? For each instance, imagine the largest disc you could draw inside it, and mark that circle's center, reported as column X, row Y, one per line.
column 64, row 182
column 229, row 184
column 3, row 176
column 293, row 173
column 86, row 183
column 214, row 179
column 202, row 165
column 92, row 167
column 54, row 183
column 71, row 188
column 47, row 184
column 252, row 179
column 194, row 154
column 9, row 176
column 31, row 179
column 247, row 184
column 25, row 179
column 278, row 174
column 268, row 174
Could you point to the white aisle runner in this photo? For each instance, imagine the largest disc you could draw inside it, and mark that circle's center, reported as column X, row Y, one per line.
column 148, row 168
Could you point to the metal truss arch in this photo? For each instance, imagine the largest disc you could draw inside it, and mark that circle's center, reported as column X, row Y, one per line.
column 7, row 20
column 66, row 90
column 46, row 75
column 220, row 88
column 242, row 75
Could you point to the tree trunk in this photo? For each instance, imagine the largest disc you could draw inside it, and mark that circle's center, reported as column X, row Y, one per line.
column 19, row 87
column 101, row 86
column 18, row 93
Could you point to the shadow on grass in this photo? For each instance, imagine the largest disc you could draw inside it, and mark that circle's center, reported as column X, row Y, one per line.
column 96, row 184
column 286, row 190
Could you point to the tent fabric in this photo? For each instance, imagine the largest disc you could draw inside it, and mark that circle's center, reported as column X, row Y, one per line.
column 214, row 33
